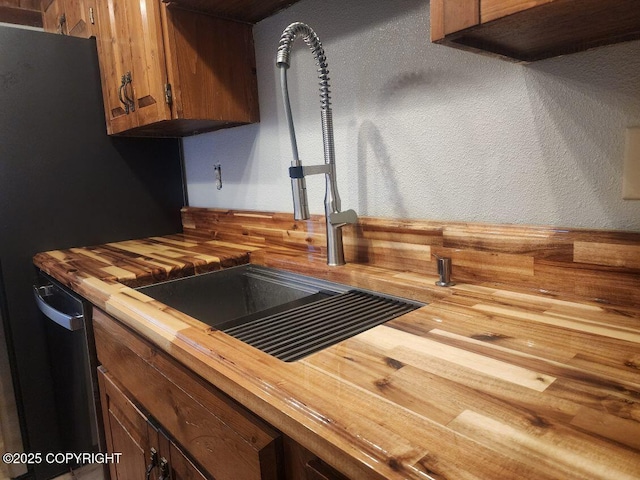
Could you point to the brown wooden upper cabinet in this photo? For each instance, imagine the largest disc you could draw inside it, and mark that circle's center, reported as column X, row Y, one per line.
column 69, row 17
column 170, row 68
column 530, row 30
column 167, row 71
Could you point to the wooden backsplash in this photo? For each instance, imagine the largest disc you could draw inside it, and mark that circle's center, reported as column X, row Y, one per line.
column 595, row 265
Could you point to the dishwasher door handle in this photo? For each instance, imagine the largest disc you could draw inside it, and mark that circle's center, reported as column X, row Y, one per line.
column 70, row 322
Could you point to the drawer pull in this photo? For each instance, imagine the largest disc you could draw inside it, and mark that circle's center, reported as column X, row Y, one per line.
column 123, row 82
column 130, row 101
column 62, row 24
column 127, row 101
column 152, row 464
column 164, row 469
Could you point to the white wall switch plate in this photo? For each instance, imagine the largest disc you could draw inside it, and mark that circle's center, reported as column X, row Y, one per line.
column 631, row 172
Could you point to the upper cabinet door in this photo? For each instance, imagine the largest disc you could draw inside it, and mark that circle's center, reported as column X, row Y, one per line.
column 132, row 63
column 114, row 53
column 80, row 17
column 530, row 30
column 147, row 64
column 211, row 65
column 53, row 18
column 69, row 17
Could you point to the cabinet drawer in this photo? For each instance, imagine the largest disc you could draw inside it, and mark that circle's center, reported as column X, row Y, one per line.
column 228, row 441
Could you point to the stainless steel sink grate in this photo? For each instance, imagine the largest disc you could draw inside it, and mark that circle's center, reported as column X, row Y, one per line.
column 301, row 331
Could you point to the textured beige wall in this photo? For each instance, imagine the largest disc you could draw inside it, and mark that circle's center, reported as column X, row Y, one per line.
column 426, row 131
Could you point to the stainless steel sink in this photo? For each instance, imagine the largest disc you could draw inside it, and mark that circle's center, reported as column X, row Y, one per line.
column 284, row 314
column 239, row 294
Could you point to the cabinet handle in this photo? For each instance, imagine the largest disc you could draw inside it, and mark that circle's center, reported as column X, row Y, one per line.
column 123, row 82
column 62, row 21
column 132, row 104
column 153, row 463
column 127, row 101
column 164, row 469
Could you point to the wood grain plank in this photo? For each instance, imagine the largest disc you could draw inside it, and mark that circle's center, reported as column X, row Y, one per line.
column 602, row 284
column 487, row 265
column 436, row 397
column 94, row 254
column 513, row 334
column 599, row 395
column 381, row 375
column 232, row 246
column 533, row 241
column 568, row 460
column 180, row 241
column 613, row 255
column 494, row 9
column 460, row 14
column 388, row 254
column 619, row 378
column 531, row 408
column 579, row 325
column 623, row 431
column 389, row 338
column 119, row 273
column 612, row 358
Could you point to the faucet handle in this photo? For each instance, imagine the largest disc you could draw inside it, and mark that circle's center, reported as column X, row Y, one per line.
column 340, row 219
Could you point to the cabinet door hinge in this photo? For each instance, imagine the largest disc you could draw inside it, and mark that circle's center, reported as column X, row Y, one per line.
column 168, row 97
column 92, row 18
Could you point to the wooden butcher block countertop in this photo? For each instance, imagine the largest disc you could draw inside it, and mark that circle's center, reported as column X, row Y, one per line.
column 481, row 383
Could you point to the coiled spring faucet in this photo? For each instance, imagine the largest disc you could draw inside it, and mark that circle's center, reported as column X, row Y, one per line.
column 335, row 219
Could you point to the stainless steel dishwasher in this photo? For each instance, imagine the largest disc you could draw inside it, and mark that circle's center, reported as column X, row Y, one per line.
column 73, row 364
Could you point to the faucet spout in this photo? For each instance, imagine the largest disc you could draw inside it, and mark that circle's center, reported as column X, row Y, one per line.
column 335, row 219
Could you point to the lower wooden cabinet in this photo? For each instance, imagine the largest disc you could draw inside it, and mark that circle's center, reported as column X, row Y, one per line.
column 224, row 439
column 151, row 403
column 147, row 452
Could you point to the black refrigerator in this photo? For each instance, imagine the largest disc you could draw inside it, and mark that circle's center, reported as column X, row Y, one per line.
column 64, row 183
